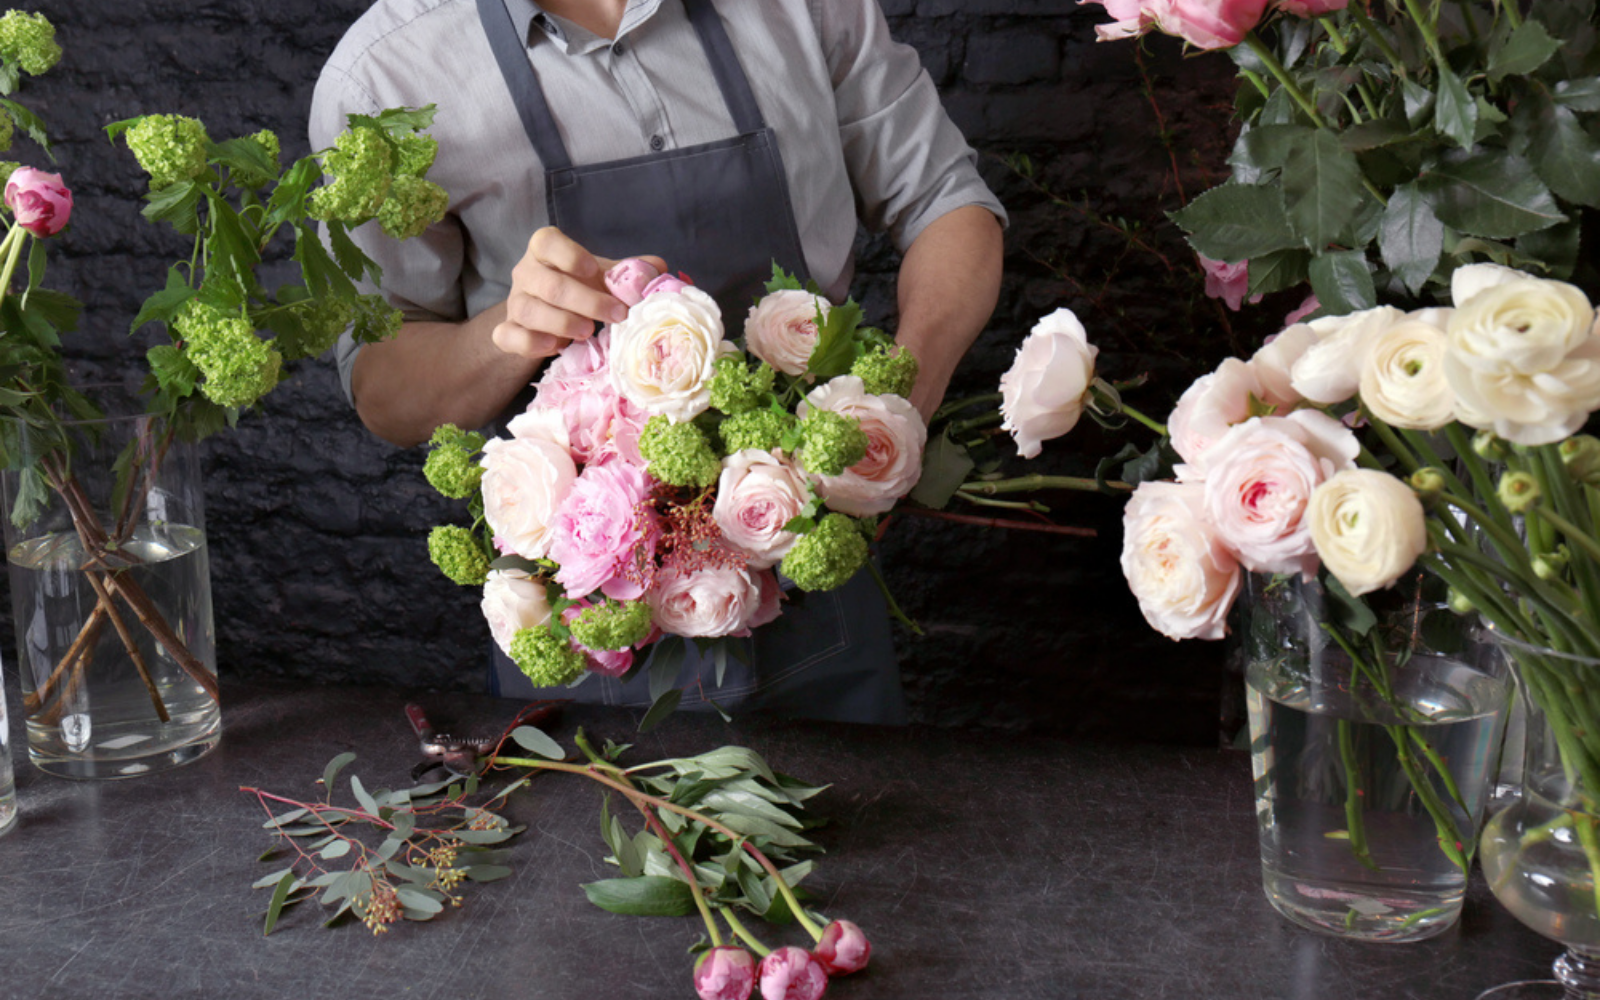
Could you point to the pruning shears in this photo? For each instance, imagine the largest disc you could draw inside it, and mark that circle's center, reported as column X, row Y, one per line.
column 469, row 755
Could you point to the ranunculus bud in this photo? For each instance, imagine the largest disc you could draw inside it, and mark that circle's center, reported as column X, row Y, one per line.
column 1518, row 491
column 1460, row 603
column 1581, row 454
column 725, row 973
column 790, row 973
column 1550, row 565
column 1428, row 482
column 40, row 202
column 843, row 949
column 627, row 279
column 1486, row 445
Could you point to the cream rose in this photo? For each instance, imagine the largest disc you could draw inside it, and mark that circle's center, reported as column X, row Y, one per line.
column 781, row 329
column 1402, row 379
column 717, row 600
column 1524, row 361
column 1183, row 576
column 513, row 601
column 1210, row 406
column 896, row 437
column 1368, row 527
column 664, row 354
column 757, row 494
column 1276, row 359
column 1329, row 371
column 525, row 478
column 1041, row 396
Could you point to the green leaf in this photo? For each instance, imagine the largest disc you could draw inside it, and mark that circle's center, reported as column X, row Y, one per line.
column 336, row 849
column 172, row 369
column 244, row 154
column 487, row 873
column 1235, row 222
column 1492, row 194
column 418, row 903
column 335, row 765
column 755, row 890
column 352, row 260
column 396, row 121
column 165, row 304
column 368, row 804
column 1579, row 95
column 271, row 880
column 782, row 281
column 1343, row 282
column 275, row 907
column 1276, row 271
column 665, row 661
column 176, row 205
column 30, row 123
column 1349, row 611
column 660, row 709
column 645, row 896
column 1455, row 113
column 1266, row 148
column 756, row 826
column 535, row 741
column 1528, row 48
column 834, row 351
column 945, row 466
column 1411, row 238
column 1565, row 155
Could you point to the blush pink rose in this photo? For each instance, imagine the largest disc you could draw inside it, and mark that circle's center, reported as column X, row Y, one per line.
column 1181, row 573
column 1041, row 395
column 40, row 202
column 1210, row 406
column 1329, row 372
column 1273, row 365
column 790, row 973
column 757, row 494
column 599, row 526
column 663, row 356
column 896, row 437
column 725, row 973
column 842, row 949
column 627, row 279
column 513, row 601
column 1228, row 282
column 525, row 478
column 717, row 600
column 781, row 329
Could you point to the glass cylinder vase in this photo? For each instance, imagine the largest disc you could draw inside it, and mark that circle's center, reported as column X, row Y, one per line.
column 1374, row 726
column 110, row 596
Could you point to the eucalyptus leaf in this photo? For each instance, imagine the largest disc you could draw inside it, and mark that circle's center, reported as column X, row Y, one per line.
column 275, row 906
column 535, row 740
column 487, row 873
column 368, row 804
column 337, row 764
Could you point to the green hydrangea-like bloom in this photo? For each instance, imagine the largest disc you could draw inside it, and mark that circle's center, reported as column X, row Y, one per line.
column 545, row 658
column 886, row 370
column 738, row 388
column 321, row 322
column 412, row 206
column 455, row 550
column 360, row 165
column 8, row 131
column 450, row 466
column 239, row 367
column 678, row 454
column 7, row 168
column 762, row 430
column 170, row 148
column 375, row 319
column 612, row 625
column 268, row 141
column 29, row 40
column 416, row 154
column 827, row 556
column 830, row 442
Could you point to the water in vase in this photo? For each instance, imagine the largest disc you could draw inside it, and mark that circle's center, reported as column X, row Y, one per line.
column 1348, row 844
column 96, row 714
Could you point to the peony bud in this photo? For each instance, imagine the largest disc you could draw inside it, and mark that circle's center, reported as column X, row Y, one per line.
column 1429, row 483
column 790, row 973
column 41, row 203
column 1581, row 454
column 725, row 973
column 1518, row 491
column 842, row 949
column 1489, row 447
column 665, row 283
column 627, row 279
column 1460, row 603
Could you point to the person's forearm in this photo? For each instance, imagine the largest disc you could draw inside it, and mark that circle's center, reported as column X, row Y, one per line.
column 949, row 283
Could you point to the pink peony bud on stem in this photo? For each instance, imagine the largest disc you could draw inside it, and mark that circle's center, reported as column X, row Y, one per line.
column 790, row 973
column 843, row 949
column 40, row 202
column 726, row 972
column 627, row 279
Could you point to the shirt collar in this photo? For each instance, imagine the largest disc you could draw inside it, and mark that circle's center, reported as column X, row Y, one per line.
column 528, row 16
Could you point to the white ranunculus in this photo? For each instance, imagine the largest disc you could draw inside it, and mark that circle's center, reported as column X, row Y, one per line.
column 896, row 437
column 1524, row 361
column 757, row 494
column 1369, row 528
column 1183, row 576
column 1041, row 396
column 1469, row 280
column 1330, row 370
column 513, row 601
column 664, row 354
column 1403, row 381
column 525, row 478
column 781, row 329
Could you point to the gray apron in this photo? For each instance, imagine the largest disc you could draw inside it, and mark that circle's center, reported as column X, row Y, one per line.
column 720, row 211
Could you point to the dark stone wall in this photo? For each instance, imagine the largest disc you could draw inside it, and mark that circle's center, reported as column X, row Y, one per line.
column 319, row 566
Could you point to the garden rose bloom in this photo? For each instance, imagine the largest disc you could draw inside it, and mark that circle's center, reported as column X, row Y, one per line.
column 1183, row 576
column 782, row 328
column 1210, row 24
column 513, row 601
column 1369, row 528
column 843, row 949
column 790, row 973
column 718, row 600
column 725, row 973
column 1228, row 282
column 896, row 436
column 597, row 528
column 1523, row 360
column 757, row 494
column 525, row 478
column 1210, row 406
column 40, row 202
column 1275, row 361
column 627, row 279
column 1131, row 18
column 663, row 355
column 1329, row 371
column 1259, row 479
column 1041, row 396
column 1402, row 379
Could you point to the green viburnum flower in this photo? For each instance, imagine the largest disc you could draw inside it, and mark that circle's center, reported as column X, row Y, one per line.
column 612, row 625
column 8, row 131
column 170, row 148
column 375, row 319
column 360, row 165
column 321, row 322
column 546, row 659
column 412, row 206
column 887, row 370
column 762, row 430
column 450, row 467
column 416, row 155
column 455, row 550
column 827, row 556
column 7, row 168
column 29, row 40
column 830, row 442
column 678, row 454
column 738, row 388
column 239, row 367
column 268, row 141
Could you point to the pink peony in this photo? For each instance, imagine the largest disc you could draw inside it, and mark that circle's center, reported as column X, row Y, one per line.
column 725, row 973
column 1181, row 573
column 790, row 973
column 758, row 493
column 599, row 526
column 1228, row 282
column 769, row 600
column 896, row 437
column 600, row 422
column 843, row 949
column 717, row 600
column 41, row 203
column 781, row 329
column 627, row 279
column 1210, row 406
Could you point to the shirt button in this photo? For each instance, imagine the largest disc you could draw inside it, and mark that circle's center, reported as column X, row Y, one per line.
column 617, row 48
column 657, row 143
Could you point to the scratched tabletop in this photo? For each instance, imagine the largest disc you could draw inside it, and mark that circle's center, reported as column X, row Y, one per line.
column 980, row 865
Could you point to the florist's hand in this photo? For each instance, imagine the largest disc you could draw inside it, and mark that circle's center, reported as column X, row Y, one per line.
column 558, row 294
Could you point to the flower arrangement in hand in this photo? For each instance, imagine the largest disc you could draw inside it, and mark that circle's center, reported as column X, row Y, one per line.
column 661, row 475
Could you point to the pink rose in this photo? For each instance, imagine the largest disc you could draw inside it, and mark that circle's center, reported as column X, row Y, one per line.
column 757, row 494
column 790, row 973
column 599, row 526
column 1131, row 18
column 1258, row 482
column 39, row 201
column 525, row 478
column 725, row 973
column 1210, row 24
column 781, row 329
column 1228, row 282
column 842, row 949
column 600, row 423
column 627, row 279
column 896, row 437
column 513, row 601
column 1210, row 406
column 1184, row 578
column 1301, row 311
column 1041, row 396
column 1310, row 8
column 716, row 600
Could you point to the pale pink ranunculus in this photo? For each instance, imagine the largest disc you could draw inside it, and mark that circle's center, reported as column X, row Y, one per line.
column 40, row 202
column 1259, row 479
column 599, row 527
column 713, row 601
column 1228, row 282
column 627, row 279
column 1181, row 573
column 1042, row 394
column 781, row 328
column 1210, row 406
column 525, row 478
column 663, row 356
column 1310, row 8
column 1329, row 371
column 1368, row 527
column 726, row 972
column 757, row 494
column 511, row 602
column 1274, row 362
column 896, row 437
column 842, row 949
column 790, row 973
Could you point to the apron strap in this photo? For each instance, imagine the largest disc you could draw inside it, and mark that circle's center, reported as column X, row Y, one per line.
column 731, row 78
column 510, row 52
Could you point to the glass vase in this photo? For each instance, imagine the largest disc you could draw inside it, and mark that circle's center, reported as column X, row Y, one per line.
column 110, row 596
column 1374, row 727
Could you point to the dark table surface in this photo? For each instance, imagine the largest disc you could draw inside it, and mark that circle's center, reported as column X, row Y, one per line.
column 980, row 865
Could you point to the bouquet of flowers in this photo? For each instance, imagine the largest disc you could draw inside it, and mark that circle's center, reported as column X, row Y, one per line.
column 663, row 475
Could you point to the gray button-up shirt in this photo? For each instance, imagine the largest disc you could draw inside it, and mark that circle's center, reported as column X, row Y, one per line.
column 858, row 124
